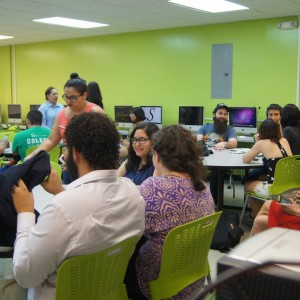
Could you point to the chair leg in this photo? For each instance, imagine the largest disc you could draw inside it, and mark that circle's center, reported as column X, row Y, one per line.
column 244, row 208
column 209, row 282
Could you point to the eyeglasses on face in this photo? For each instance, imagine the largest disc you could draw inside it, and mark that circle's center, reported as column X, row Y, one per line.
column 72, row 98
column 141, row 140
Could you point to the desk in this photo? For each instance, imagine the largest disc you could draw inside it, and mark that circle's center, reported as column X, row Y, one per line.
column 224, row 160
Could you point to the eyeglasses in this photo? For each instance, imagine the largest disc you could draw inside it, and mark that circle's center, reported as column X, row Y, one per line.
column 141, row 140
column 72, row 98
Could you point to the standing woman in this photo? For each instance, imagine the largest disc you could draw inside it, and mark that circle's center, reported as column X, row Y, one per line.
column 175, row 196
column 94, row 93
column 274, row 147
column 139, row 165
column 75, row 92
column 50, row 108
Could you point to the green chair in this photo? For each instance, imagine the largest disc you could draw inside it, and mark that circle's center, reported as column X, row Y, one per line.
column 57, row 167
column 184, row 257
column 96, row 276
column 54, row 153
column 286, row 177
column 9, row 134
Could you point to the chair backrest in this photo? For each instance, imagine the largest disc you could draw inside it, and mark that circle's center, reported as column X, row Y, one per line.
column 9, row 134
column 54, row 153
column 287, row 175
column 184, row 257
column 57, row 167
column 96, row 276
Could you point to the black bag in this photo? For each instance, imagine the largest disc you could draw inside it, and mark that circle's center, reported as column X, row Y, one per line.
column 204, row 148
column 228, row 233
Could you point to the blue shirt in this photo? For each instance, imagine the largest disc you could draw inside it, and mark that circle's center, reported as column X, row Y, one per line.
column 50, row 112
column 139, row 176
column 212, row 138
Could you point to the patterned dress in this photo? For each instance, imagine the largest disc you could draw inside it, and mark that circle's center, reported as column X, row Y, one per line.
column 170, row 201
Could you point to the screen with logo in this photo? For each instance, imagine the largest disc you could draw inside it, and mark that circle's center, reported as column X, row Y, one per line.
column 153, row 114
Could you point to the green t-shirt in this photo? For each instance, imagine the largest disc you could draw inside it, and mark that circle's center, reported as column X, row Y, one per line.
column 31, row 137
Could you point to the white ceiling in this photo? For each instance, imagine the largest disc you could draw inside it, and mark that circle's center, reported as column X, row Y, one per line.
column 122, row 15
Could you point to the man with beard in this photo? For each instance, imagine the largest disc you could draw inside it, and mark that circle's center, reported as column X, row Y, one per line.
column 96, row 211
column 218, row 136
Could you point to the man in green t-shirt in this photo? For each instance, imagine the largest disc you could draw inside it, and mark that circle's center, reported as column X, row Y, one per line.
column 33, row 136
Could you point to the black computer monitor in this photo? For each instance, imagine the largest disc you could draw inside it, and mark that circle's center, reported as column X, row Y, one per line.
column 34, row 106
column 14, row 114
column 243, row 119
column 122, row 116
column 153, row 114
column 191, row 117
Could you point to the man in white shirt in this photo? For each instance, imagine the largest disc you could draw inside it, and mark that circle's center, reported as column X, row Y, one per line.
column 96, row 211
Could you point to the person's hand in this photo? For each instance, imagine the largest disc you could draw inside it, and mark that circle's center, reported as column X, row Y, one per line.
column 297, row 194
column 291, row 209
column 256, row 137
column 22, row 198
column 3, row 145
column 220, row 146
column 53, row 184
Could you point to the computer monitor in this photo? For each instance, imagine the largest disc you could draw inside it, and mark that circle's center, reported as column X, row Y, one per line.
column 122, row 116
column 34, row 106
column 153, row 114
column 191, row 117
column 243, row 119
column 14, row 114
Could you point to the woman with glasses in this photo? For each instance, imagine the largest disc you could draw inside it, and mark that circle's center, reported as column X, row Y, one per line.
column 75, row 93
column 139, row 166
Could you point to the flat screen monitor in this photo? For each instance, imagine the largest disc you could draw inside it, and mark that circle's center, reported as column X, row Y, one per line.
column 191, row 117
column 153, row 114
column 14, row 114
column 34, row 106
column 243, row 119
column 122, row 116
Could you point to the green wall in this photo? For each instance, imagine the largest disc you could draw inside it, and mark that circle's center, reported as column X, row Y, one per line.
column 165, row 67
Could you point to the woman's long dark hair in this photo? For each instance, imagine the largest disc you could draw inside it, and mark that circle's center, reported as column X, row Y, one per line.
column 179, row 152
column 269, row 129
column 94, row 93
column 134, row 160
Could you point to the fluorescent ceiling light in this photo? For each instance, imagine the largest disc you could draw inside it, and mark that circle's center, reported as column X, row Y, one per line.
column 213, row 6
column 4, row 37
column 70, row 22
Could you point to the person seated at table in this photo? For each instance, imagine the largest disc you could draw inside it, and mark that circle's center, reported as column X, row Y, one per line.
column 274, row 214
column 218, row 135
column 273, row 112
column 273, row 147
column 34, row 135
column 137, row 115
column 139, row 165
column 290, row 122
column 175, row 196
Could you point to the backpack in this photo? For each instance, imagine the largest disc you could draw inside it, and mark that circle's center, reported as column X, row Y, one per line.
column 228, row 232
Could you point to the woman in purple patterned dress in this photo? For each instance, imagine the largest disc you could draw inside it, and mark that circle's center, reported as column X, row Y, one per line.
column 175, row 196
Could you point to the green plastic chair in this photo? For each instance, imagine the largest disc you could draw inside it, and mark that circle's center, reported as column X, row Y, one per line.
column 57, row 167
column 54, row 153
column 96, row 276
column 9, row 134
column 184, row 257
column 286, row 177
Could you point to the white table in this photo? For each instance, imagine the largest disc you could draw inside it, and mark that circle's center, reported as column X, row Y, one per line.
column 228, row 159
